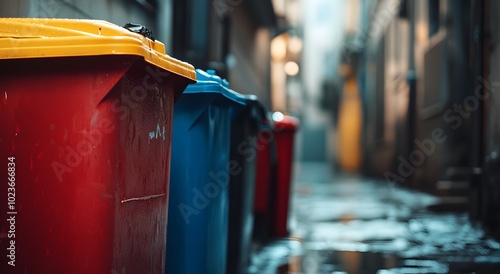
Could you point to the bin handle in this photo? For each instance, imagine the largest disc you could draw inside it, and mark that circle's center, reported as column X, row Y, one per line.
column 140, row 29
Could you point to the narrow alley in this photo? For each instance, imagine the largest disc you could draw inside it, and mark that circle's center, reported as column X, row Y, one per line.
column 249, row 136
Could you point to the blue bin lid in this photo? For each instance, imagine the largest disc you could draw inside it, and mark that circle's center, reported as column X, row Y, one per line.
column 209, row 82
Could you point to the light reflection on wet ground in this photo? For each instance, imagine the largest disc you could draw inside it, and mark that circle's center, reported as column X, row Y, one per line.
column 348, row 224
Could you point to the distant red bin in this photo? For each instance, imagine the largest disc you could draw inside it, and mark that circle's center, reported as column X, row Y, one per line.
column 86, row 111
column 284, row 134
column 273, row 178
column 265, row 183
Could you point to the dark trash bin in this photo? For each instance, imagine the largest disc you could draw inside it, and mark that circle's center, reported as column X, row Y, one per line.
column 244, row 148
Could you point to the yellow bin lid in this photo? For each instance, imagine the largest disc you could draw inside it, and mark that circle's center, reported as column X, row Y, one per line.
column 41, row 38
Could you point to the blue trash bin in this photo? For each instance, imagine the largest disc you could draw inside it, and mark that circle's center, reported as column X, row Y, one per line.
column 199, row 176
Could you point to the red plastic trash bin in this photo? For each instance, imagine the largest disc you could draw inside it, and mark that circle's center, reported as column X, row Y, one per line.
column 265, row 185
column 273, row 178
column 86, row 116
column 284, row 132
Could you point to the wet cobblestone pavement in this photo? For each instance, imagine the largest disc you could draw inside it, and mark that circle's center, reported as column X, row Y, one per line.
column 348, row 224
